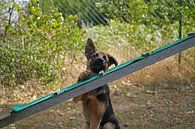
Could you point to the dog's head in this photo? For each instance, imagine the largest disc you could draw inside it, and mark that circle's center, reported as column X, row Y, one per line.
column 97, row 61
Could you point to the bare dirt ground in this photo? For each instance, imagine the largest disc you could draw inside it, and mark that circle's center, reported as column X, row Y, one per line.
column 158, row 97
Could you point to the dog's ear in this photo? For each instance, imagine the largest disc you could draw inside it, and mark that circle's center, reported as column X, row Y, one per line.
column 89, row 48
column 112, row 60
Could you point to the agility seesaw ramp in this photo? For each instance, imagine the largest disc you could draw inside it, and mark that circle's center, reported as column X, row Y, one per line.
column 21, row 111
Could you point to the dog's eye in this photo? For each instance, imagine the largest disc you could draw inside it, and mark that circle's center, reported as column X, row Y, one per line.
column 104, row 57
column 95, row 55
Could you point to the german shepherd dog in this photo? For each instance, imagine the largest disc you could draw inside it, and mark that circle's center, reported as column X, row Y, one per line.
column 97, row 107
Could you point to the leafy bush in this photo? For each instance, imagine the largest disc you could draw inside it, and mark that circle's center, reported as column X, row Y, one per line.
column 40, row 43
column 36, row 46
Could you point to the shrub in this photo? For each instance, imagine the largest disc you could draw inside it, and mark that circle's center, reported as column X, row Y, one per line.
column 37, row 45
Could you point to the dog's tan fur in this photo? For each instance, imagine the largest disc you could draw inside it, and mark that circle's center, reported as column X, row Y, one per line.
column 94, row 109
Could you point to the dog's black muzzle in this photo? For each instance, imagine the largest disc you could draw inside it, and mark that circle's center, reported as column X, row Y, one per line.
column 97, row 65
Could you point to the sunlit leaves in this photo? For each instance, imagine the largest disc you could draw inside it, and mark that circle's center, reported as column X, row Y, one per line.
column 37, row 45
column 46, row 33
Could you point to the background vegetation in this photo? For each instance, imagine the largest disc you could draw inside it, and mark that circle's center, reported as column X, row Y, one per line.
column 47, row 32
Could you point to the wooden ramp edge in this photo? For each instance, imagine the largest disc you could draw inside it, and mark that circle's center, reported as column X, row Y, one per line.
column 9, row 118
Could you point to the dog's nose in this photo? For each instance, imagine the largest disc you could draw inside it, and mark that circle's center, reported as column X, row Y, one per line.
column 99, row 60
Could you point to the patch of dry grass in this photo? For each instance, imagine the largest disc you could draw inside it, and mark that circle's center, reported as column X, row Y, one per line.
column 159, row 96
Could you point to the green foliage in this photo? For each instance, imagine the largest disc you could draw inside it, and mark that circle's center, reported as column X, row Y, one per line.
column 36, row 46
column 155, row 14
column 123, row 10
column 84, row 10
column 46, row 35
